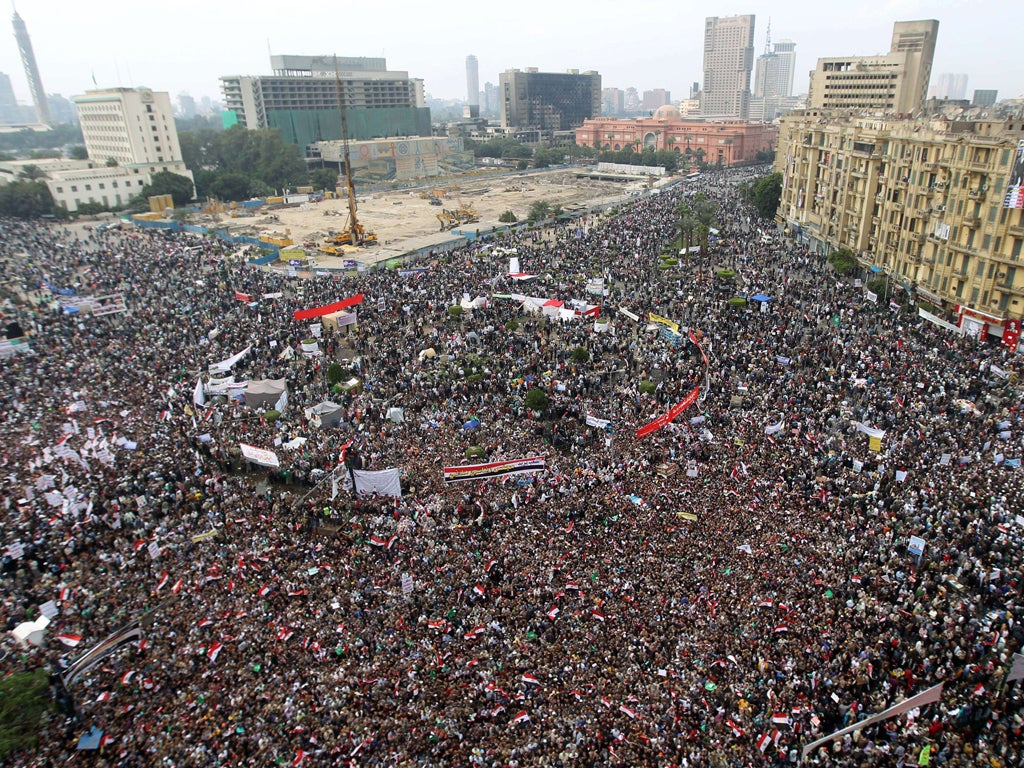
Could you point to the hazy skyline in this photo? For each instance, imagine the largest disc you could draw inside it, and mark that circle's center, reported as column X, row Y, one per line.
column 190, row 45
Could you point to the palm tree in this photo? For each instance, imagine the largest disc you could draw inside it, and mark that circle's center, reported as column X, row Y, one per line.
column 31, row 173
column 686, row 224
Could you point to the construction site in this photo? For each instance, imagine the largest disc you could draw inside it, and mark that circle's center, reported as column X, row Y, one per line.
column 396, row 222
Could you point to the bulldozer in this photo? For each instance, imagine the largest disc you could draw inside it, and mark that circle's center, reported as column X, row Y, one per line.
column 453, row 218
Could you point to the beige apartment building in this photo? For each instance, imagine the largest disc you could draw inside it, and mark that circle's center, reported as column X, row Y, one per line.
column 893, row 82
column 935, row 204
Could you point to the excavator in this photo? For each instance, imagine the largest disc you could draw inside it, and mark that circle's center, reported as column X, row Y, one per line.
column 354, row 233
column 450, row 219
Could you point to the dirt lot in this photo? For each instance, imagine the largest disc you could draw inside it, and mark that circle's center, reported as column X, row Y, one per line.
column 404, row 221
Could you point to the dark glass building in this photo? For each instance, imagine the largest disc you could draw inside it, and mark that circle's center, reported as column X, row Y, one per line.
column 550, row 101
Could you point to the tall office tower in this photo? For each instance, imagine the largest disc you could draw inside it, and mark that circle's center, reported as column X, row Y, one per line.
column 301, row 99
column 657, row 97
column 786, row 51
column 893, row 82
column 984, row 98
column 612, row 101
column 728, row 62
column 28, row 60
column 950, row 86
column 492, row 100
column 472, row 81
column 8, row 104
column 134, row 126
column 550, row 101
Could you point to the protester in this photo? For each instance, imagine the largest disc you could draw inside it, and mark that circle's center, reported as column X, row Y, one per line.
column 720, row 592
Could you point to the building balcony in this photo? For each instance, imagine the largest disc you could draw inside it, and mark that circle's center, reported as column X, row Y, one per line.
column 977, row 194
column 1015, row 231
column 922, row 213
column 919, row 237
column 960, row 248
column 972, row 222
column 897, row 206
column 935, row 166
column 940, row 186
column 901, row 184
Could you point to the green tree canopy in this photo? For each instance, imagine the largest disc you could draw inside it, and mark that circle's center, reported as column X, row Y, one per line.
column 78, row 152
column 26, row 200
column 166, row 183
column 24, row 696
column 767, row 192
column 323, row 179
column 229, row 185
column 539, row 210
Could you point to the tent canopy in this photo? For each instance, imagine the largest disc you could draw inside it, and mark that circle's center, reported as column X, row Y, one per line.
column 264, row 393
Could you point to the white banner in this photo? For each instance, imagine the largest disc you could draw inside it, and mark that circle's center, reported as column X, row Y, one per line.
column 386, row 482
column 259, row 456
column 925, row 697
column 771, row 429
column 871, row 296
column 199, row 396
column 870, row 431
column 630, row 315
column 226, row 365
column 593, row 421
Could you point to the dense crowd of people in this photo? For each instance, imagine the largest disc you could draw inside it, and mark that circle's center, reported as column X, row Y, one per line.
column 720, row 592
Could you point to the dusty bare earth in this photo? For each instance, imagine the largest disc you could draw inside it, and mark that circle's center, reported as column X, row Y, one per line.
column 405, row 221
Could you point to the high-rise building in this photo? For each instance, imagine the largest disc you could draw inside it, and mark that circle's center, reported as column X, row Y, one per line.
column 549, row 101
column 473, row 83
column 773, row 79
column 984, row 98
column 28, row 60
column 301, row 99
column 631, row 101
column 132, row 126
column 657, row 97
column 8, row 103
column 934, row 204
column 613, row 101
column 492, row 100
column 949, row 86
column 728, row 62
column 893, row 82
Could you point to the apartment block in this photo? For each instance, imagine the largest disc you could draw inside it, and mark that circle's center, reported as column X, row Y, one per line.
column 935, row 204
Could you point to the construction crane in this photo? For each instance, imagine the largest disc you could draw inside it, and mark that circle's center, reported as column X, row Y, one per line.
column 354, row 232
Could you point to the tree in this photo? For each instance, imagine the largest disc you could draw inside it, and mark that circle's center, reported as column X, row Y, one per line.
column 166, row 183
column 45, row 154
column 323, row 178
column 24, row 696
column 580, row 355
column 334, row 373
column 843, row 261
column 31, row 173
column 508, row 218
column 767, row 192
column 539, row 210
column 111, row 162
column 78, row 152
column 26, row 200
column 536, row 400
column 229, row 185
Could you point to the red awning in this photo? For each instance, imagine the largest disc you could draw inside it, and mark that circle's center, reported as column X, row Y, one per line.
column 309, row 314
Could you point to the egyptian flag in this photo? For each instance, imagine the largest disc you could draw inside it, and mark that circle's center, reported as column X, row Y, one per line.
column 126, row 678
column 177, row 586
column 299, row 757
column 736, row 730
column 68, row 639
column 597, row 614
column 763, row 742
column 480, row 590
column 529, row 678
column 213, row 650
column 780, row 718
column 627, row 711
column 163, row 580
column 553, row 613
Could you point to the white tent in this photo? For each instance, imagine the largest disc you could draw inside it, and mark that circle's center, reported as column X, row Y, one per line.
column 31, row 632
column 265, row 393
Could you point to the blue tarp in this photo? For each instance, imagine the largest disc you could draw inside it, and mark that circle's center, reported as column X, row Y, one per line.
column 876, row 270
column 471, row 424
column 91, row 739
column 760, row 297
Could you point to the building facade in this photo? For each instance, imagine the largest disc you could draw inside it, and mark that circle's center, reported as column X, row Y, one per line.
column 613, row 101
column 550, row 101
column 773, row 81
column 301, row 99
column 473, row 85
column 656, row 97
column 718, row 142
column 934, row 204
column 949, row 86
column 893, row 82
column 984, row 97
column 728, row 62
column 132, row 126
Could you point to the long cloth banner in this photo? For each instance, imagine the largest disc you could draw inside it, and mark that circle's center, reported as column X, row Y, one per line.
column 260, row 456
column 925, row 697
column 494, row 469
column 100, row 651
column 673, row 412
column 309, row 314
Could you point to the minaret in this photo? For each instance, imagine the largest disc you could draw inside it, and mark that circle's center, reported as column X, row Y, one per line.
column 28, row 60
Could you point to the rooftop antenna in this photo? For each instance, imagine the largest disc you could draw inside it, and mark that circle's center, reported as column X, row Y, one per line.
column 768, row 38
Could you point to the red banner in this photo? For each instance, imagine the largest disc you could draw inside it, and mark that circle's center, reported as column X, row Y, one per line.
column 1011, row 334
column 673, row 413
column 309, row 314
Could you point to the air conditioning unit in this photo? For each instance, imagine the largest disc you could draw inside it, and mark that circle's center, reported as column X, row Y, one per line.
column 1001, row 275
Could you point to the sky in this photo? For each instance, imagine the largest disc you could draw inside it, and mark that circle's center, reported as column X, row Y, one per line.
column 185, row 46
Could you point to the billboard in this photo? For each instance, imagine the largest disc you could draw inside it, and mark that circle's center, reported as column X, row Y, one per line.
column 1014, row 196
